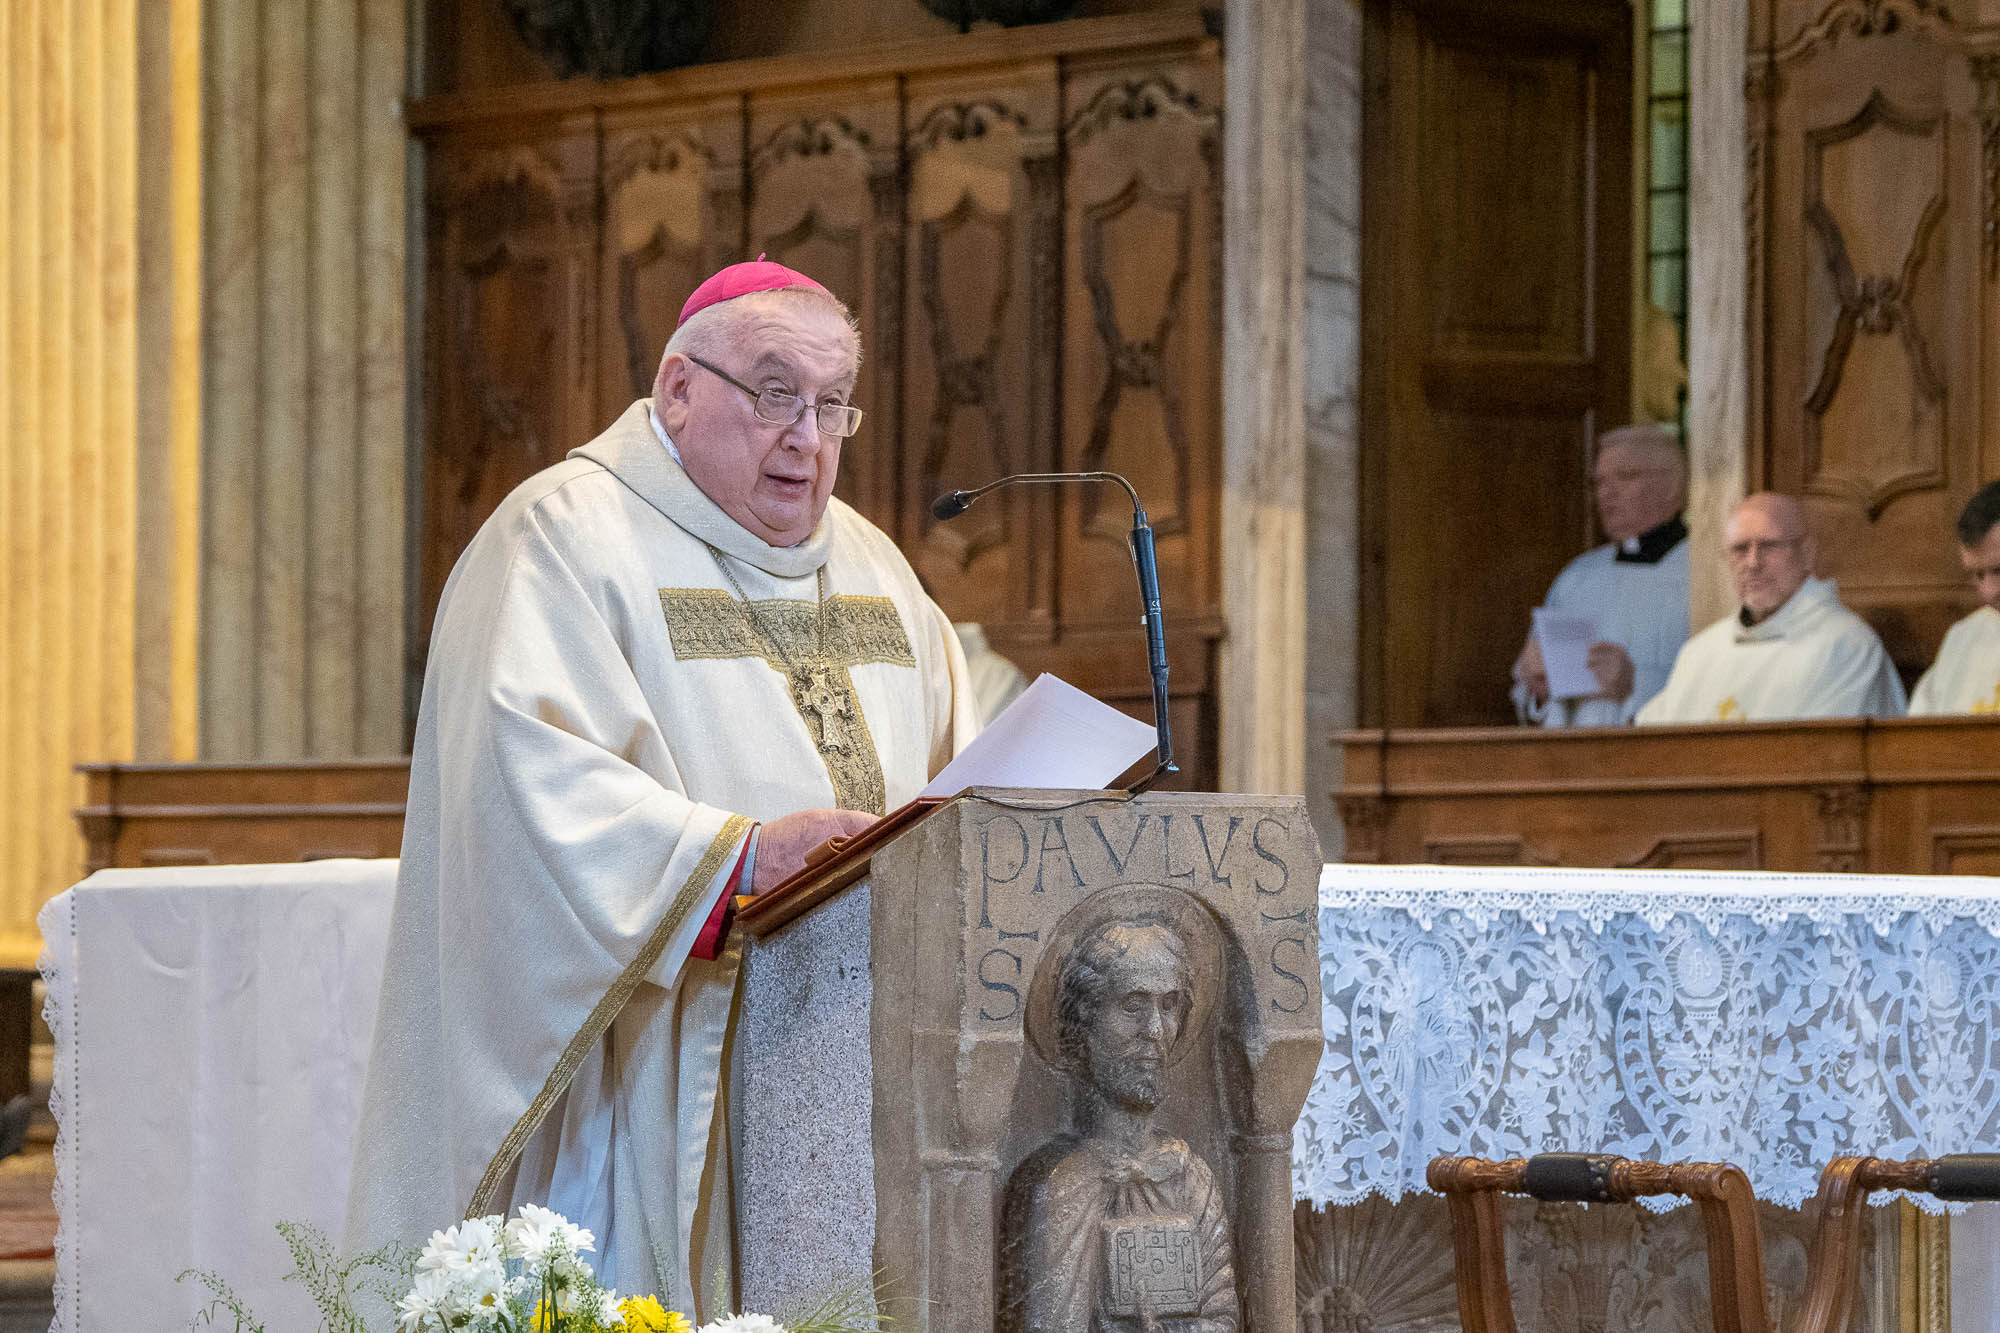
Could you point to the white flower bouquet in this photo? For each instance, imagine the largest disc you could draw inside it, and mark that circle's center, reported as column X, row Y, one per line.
column 524, row 1274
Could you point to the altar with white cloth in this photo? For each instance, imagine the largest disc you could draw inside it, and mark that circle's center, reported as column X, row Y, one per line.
column 212, row 1023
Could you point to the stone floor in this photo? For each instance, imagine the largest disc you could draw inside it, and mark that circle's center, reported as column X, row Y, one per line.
column 27, row 1213
column 27, row 1234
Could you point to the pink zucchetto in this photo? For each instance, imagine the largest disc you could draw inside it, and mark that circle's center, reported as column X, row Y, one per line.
column 759, row 275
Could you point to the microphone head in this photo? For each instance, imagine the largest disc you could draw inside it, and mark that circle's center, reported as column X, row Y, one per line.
column 950, row 505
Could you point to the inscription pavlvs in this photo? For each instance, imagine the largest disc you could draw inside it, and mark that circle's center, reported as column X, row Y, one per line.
column 1024, row 859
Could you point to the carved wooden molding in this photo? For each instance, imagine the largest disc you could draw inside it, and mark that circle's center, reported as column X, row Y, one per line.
column 807, row 137
column 1843, row 829
column 490, row 175
column 665, row 153
column 1949, row 844
column 1363, row 818
column 1870, row 305
column 659, row 246
column 964, row 379
column 958, row 121
column 1139, row 99
column 1873, row 18
column 1925, row 1243
column 1502, row 850
column 1136, row 363
column 1986, row 73
column 1375, row 1265
column 1743, row 849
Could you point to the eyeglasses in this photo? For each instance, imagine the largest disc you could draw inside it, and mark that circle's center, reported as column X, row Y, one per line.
column 1763, row 548
column 784, row 409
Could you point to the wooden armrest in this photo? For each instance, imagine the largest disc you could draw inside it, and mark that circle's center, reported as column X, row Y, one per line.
column 1472, row 1187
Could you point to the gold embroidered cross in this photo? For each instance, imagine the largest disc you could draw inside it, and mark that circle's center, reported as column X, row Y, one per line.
column 812, row 645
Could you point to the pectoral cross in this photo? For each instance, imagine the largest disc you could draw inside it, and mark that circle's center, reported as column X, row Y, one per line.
column 830, row 708
column 1729, row 711
column 812, row 647
column 1991, row 703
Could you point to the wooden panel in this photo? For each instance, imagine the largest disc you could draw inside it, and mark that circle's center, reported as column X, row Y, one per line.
column 825, row 198
column 979, row 299
column 672, row 215
column 509, row 386
column 1496, row 263
column 1872, row 308
column 1141, row 330
column 242, row 814
column 1905, row 796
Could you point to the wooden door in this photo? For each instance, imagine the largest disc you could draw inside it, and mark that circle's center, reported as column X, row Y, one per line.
column 1874, row 254
column 1496, row 307
column 509, row 380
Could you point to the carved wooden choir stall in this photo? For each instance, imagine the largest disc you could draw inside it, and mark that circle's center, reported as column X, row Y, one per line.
column 1914, row 796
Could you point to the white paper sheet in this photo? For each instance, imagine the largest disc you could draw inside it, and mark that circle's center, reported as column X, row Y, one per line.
column 1566, row 639
column 1053, row 735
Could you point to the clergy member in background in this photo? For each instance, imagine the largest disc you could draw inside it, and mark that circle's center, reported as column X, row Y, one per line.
column 1966, row 676
column 1634, row 588
column 1790, row 650
column 662, row 671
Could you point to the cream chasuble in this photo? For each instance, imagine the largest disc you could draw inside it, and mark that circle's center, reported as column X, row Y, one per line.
column 1812, row 657
column 602, row 719
column 1966, row 676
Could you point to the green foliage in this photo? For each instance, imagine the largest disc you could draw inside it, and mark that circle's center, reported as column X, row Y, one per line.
column 846, row 1309
column 335, row 1287
column 223, row 1301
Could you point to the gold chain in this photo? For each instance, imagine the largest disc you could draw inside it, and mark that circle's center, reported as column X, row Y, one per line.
column 775, row 641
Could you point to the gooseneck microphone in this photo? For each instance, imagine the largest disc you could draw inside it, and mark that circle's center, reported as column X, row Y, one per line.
column 953, row 503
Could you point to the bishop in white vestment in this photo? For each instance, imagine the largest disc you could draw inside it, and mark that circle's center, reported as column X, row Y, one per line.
column 662, row 670
column 1791, row 650
column 1634, row 588
column 1966, row 676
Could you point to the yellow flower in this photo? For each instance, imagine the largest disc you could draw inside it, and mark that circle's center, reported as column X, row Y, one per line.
column 645, row 1314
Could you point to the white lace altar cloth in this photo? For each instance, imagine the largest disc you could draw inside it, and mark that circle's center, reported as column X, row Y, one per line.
column 1769, row 1020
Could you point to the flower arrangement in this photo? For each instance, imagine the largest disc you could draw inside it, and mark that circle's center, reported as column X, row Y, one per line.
column 524, row 1274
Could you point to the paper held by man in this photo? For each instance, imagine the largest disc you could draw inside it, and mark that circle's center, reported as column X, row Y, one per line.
column 1566, row 639
column 1053, row 736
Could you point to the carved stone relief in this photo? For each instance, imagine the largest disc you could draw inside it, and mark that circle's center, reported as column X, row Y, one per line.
column 1378, row 1267
column 1113, row 1223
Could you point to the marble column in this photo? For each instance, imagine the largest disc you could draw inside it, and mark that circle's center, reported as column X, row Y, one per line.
column 67, row 452
column 1263, row 733
column 1718, row 434
column 1332, row 387
column 302, row 397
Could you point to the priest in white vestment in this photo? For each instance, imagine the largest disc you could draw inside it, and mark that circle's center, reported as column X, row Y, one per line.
column 1791, row 650
column 1634, row 588
column 663, row 670
column 1966, row 676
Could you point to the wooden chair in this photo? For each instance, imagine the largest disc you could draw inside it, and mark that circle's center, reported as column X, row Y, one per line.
column 1472, row 1187
column 1833, row 1268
